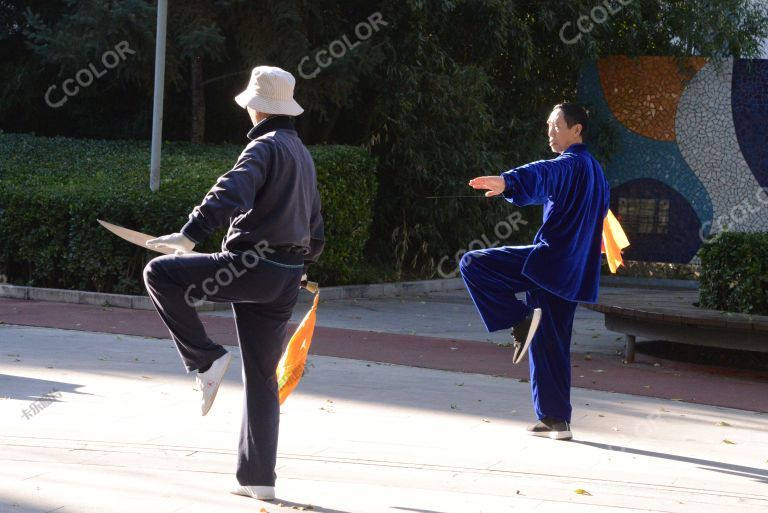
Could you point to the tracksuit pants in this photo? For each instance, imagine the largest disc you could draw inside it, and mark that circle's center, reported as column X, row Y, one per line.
column 263, row 292
column 493, row 278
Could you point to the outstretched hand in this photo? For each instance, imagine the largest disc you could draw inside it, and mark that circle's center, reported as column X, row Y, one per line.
column 493, row 185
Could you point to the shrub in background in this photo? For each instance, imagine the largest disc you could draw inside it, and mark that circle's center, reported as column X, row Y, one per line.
column 52, row 190
column 734, row 273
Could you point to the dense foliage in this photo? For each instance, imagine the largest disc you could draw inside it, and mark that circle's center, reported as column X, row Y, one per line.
column 734, row 273
column 52, row 191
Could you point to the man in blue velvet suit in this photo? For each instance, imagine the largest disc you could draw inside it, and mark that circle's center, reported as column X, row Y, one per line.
column 560, row 268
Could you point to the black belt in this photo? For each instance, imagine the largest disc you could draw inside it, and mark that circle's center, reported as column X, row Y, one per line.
column 287, row 254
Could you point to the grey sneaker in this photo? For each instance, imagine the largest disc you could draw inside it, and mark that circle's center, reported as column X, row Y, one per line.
column 551, row 428
column 522, row 334
column 208, row 382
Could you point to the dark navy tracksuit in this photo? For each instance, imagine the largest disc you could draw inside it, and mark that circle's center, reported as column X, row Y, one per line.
column 271, row 203
column 560, row 269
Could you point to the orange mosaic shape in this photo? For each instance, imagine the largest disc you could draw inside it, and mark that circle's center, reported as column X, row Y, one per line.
column 643, row 92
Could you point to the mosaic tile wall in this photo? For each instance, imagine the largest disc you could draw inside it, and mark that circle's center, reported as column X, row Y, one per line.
column 693, row 148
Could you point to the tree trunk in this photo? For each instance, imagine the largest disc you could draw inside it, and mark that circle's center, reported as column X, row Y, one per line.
column 198, row 101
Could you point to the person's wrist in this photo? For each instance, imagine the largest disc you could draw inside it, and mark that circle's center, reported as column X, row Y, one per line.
column 193, row 230
column 507, row 186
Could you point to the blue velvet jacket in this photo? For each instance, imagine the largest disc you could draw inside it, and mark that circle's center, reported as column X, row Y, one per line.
column 572, row 187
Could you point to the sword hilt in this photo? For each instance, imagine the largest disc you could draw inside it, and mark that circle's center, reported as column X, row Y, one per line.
column 311, row 286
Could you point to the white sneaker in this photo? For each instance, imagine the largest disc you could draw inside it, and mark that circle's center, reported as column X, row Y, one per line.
column 263, row 493
column 208, row 382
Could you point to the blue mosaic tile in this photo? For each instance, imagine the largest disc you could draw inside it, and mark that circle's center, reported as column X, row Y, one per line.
column 749, row 99
column 640, row 157
column 671, row 235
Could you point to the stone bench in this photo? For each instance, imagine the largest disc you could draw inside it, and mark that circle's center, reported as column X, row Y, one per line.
column 671, row 315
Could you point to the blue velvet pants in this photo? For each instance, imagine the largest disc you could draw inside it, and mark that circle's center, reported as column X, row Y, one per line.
column 493, row 278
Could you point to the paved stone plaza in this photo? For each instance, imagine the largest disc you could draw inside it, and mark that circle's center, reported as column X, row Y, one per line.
column 118, row 430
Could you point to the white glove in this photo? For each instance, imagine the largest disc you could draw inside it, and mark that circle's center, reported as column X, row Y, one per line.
column 175, row 241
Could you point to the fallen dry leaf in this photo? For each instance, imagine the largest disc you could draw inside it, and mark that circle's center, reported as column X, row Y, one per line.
column 582, row 491
column 726, row 441
column 721, row 423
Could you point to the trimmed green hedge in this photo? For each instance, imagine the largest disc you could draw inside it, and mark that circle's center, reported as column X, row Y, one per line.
column 52, row 190
column 734, row 273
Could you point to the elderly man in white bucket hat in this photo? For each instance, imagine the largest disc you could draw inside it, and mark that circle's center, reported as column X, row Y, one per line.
column 270, row 202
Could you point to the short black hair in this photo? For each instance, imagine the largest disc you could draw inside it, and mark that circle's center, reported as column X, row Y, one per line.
column 575, row 113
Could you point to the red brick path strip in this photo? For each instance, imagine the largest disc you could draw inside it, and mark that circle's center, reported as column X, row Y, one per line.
column 672, row 380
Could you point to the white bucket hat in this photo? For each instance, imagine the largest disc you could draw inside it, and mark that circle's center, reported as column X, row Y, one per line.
column 270, row 91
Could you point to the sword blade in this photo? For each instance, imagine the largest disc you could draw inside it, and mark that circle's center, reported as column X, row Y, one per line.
column 134, row 237
column 140, row 239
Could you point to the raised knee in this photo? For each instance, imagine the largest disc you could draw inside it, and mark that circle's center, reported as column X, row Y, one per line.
column 465, row 263
column 151, row 270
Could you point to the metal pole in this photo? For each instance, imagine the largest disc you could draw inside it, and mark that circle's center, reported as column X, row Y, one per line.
column 157, row 109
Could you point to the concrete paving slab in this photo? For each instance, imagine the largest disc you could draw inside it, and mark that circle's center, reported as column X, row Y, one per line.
column 124, row 435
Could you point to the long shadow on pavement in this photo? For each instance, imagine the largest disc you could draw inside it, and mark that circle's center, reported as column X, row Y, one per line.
column 298, row 506
column 757, row 474
column 20, row 387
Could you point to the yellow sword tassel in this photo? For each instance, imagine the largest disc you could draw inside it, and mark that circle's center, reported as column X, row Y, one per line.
column 291, row 366
column 614, row 240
